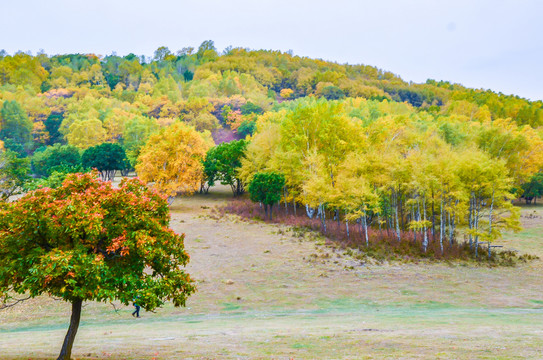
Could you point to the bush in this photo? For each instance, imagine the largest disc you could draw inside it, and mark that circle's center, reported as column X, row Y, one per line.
column 55, row 157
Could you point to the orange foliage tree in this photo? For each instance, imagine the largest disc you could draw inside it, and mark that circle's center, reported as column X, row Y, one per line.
column 88, row 241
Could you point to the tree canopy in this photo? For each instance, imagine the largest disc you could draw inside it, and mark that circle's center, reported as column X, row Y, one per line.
column 89, row 241
column 266, row 188
column 56, row 157
column 222, row 163
column 172, row 159
column 14, row 172
column 15, row 127
column 107, row 158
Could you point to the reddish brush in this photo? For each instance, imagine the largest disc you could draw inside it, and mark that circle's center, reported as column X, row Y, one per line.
column 383, row 244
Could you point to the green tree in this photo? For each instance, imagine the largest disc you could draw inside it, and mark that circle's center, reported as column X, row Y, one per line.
column 15, row 128
column 54, row 158
column 136, row 132
column 161, row 53
column 246, row 128
column 533, row 189
column 107, row 158
column 88, row 241
column 266, row 188
column 13, row 173
column 222, row 163
column 333, row 93
column 207, row 51
column 52, row 124
column 250, row 108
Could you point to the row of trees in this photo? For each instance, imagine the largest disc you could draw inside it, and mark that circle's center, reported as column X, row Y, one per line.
column 386, row 165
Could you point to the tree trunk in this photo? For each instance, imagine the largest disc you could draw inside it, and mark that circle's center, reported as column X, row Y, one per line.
column 323, row 217
column 419, row 217
column 490, row 220
column 441, row 226
column 470, row 220
column 286, row 203
column 476, row 226
column 366, row 229
column 400, row 205
column 397, row 221
column 271, row 211
column 66, row 351
column 309, row 211
column 425, row 241
column 414, row 218
column 449, row 220
column 434, row 220
column 453, row 225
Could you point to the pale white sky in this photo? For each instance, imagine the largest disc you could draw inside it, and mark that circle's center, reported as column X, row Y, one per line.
column 494, row 44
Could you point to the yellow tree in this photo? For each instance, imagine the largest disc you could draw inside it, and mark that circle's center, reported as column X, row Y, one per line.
column 86, row 133
column 487, row 185
column 262, row 147
column 172, row 159
column 354, row 193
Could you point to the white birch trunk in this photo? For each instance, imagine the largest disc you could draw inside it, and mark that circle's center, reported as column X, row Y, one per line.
column 441, row 226
column 397, row 221
column 366, row 229
column 309, row 211
column 425, row 241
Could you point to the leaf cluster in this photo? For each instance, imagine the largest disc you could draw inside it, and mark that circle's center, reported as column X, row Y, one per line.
column 87, row 240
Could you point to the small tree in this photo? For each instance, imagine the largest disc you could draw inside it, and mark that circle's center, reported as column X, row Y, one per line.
column 248, row 127
column 222, row 163
column 533, row 189
column 13, row 173
column 55, row 157
column 15, row 127
column 172, row 159
column 89, row 241
column 266, row 188
column 106, row 158
column 286, row 93
column 332, row 93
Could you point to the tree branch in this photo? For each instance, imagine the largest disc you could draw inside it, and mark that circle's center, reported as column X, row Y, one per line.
column 5, row 306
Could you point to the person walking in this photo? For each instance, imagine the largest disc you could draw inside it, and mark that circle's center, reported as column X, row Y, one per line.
column 136, row 312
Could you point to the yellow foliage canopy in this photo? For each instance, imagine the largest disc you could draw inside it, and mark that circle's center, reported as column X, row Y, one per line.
column 171, row 159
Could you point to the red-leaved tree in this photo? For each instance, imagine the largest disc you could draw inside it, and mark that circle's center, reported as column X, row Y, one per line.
column 89, row 241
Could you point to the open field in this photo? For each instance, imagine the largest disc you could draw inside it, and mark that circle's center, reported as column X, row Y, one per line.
column 264, row 293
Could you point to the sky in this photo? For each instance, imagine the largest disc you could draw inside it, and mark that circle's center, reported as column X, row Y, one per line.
column 491, row 44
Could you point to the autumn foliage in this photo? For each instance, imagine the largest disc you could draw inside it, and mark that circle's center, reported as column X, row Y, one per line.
column 172, row 159
column 89, row 241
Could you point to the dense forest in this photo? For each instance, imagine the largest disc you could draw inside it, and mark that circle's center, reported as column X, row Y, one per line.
column 351, row 141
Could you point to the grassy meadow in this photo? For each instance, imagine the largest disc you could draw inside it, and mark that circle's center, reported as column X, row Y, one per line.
column 264, row 293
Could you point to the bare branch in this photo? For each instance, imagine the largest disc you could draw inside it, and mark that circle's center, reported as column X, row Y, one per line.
column 5, row 306
column 115, row 308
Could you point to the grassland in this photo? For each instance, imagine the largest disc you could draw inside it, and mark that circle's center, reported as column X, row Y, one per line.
column 264, row 293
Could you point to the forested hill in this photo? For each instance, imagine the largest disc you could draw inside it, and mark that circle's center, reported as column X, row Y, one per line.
column 85, row 99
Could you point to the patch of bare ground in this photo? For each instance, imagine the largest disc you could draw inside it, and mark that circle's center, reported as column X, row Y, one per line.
column 264, row 292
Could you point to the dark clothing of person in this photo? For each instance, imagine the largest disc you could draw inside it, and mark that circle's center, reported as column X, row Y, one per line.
column 137, row 311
